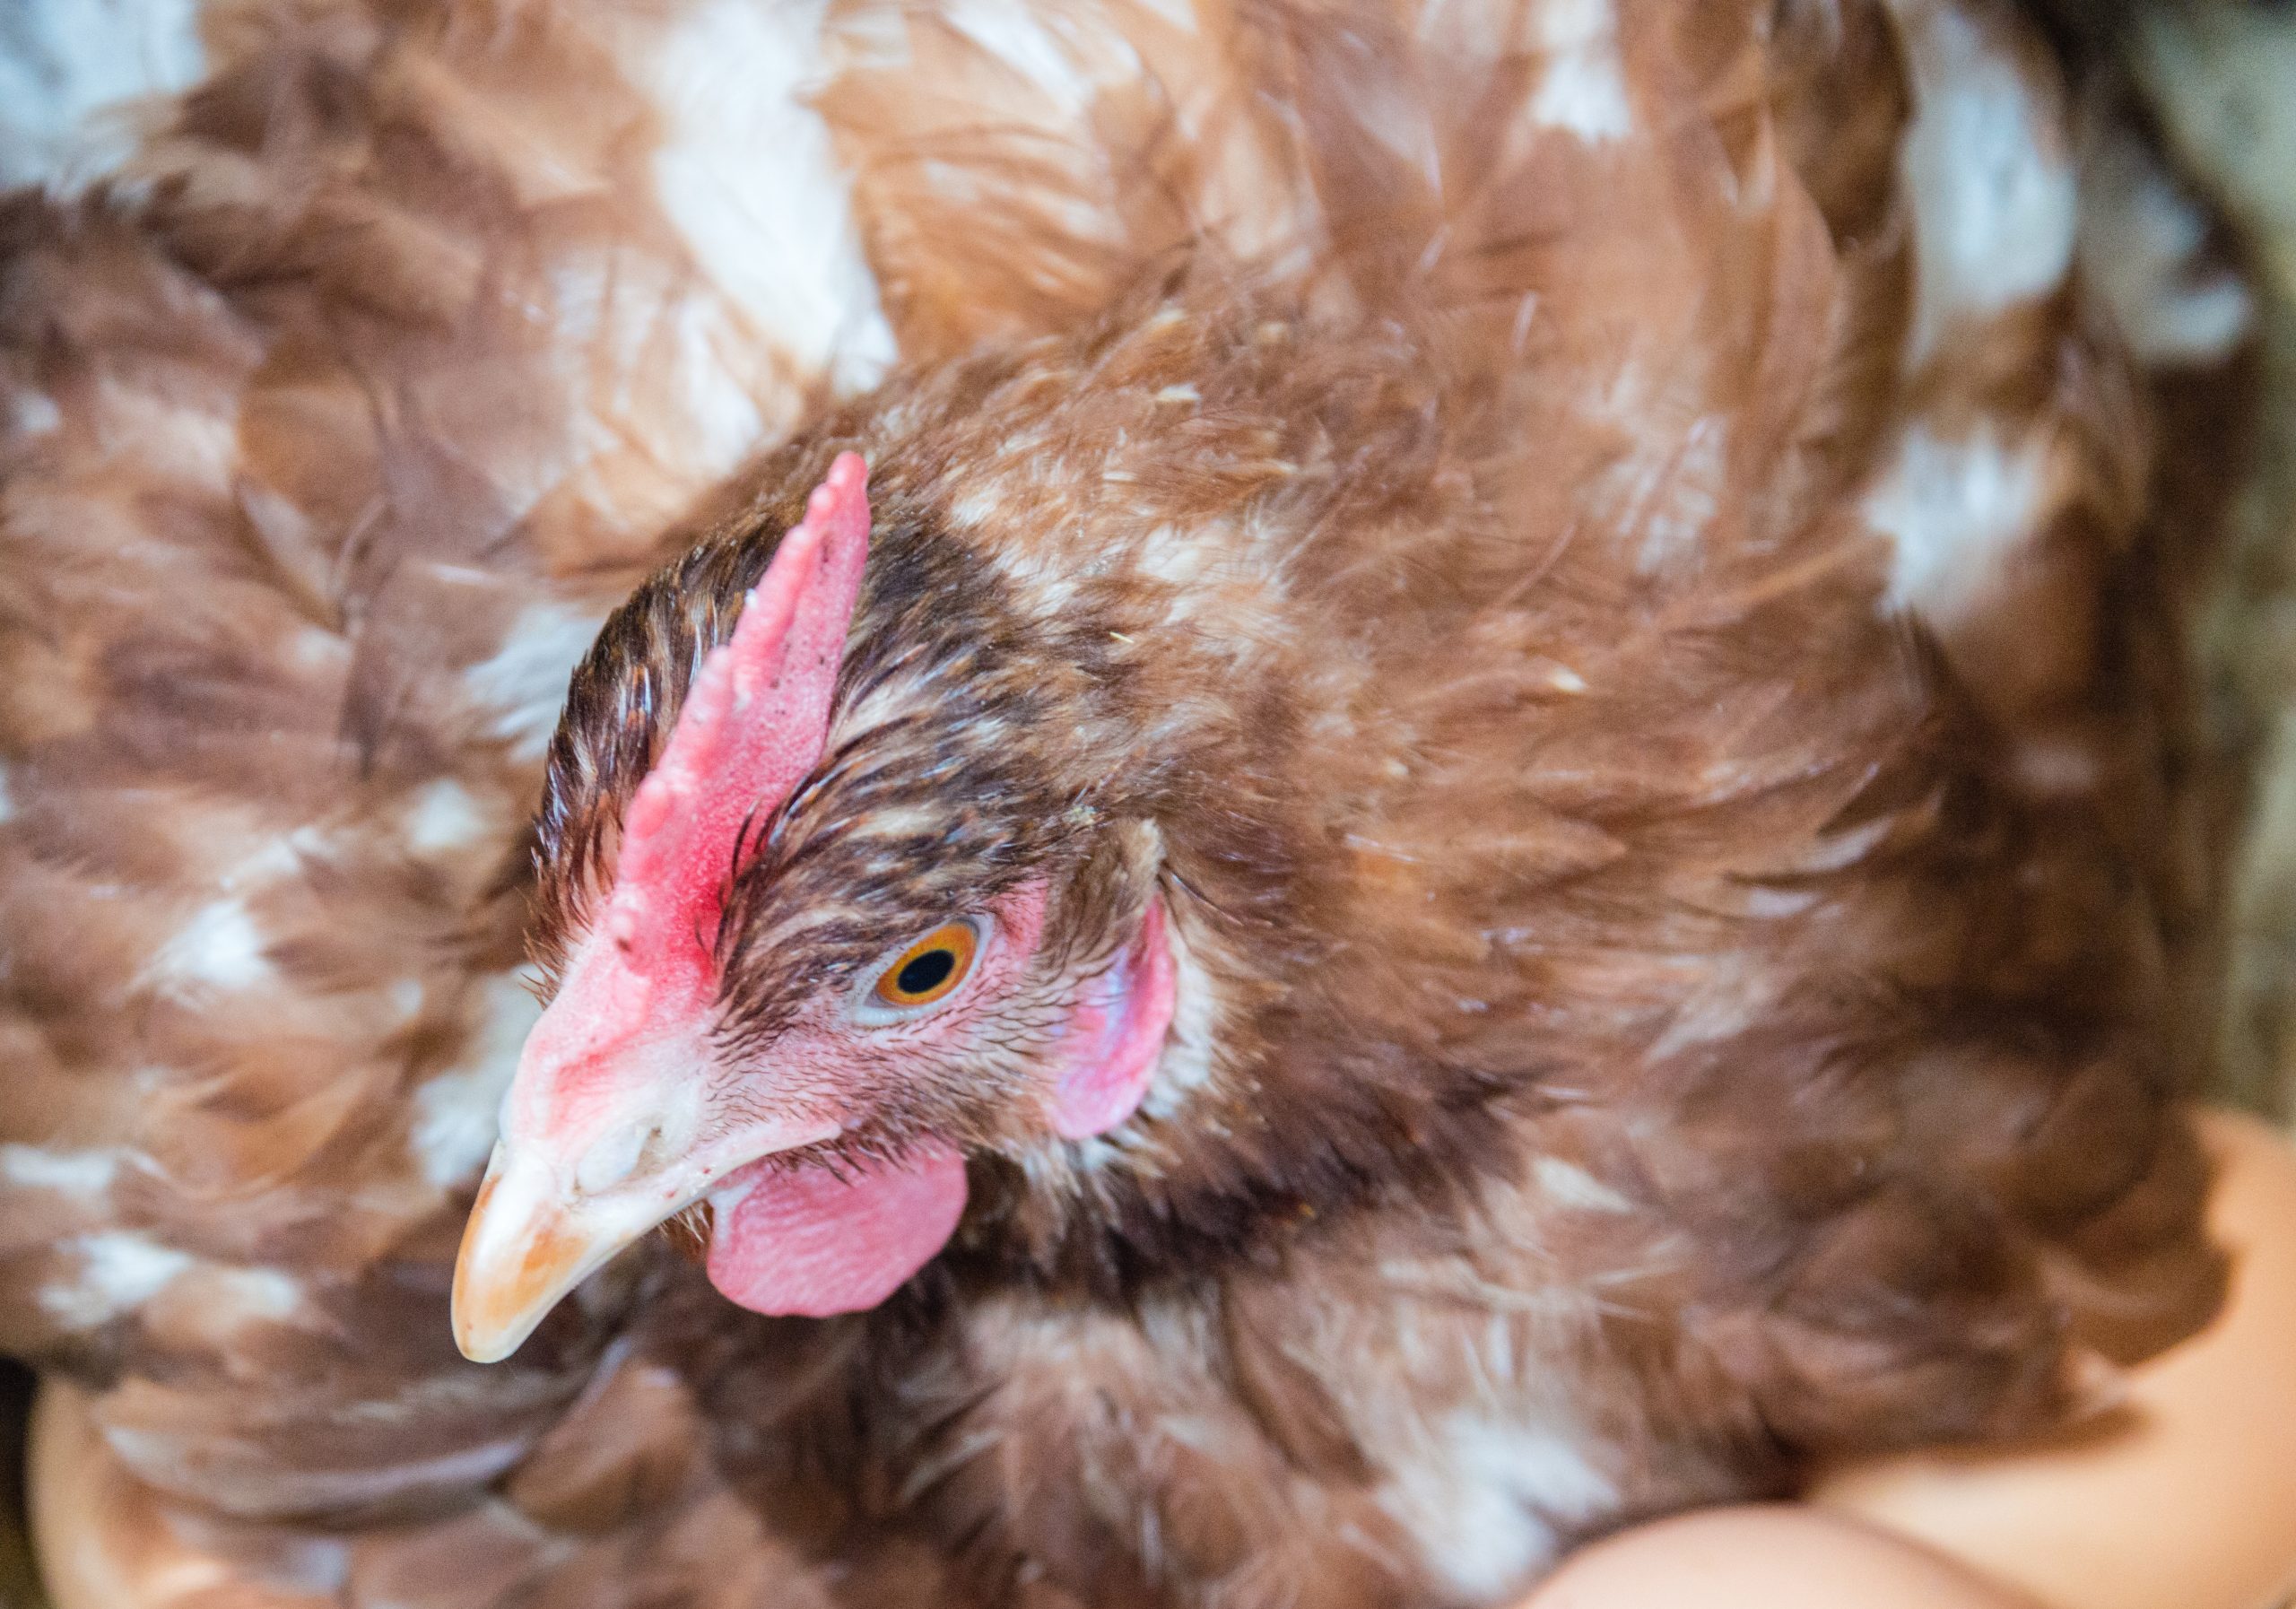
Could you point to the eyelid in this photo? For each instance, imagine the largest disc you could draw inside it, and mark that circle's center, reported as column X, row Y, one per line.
column 870, row 1011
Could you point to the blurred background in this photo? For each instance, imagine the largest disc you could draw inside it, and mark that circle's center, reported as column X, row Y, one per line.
column 2221, row 75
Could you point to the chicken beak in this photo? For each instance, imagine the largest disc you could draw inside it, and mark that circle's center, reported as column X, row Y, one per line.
column 526, row 1245
column 607, row 1080
column 543, row 1223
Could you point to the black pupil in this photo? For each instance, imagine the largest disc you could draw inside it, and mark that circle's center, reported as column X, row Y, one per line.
column 926, row 972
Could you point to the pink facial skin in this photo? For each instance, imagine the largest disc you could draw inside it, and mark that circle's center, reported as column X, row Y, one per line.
column 805, row 1240
column 633, row 1007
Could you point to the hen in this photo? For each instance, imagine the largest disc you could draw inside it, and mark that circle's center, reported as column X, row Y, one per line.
column 1430, row 793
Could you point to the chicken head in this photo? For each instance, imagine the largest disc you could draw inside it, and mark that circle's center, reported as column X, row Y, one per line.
column 820, row 1138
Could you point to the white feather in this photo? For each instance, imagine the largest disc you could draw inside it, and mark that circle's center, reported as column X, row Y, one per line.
column 70, row 1172
column 70, row 72
column 119, row 1271
column 220, row 947
column 1985, row 167
column 1488, row 1500
column 457, row 1112
column 1571, row 1186
column 1955, row 510
column 1015, row 35
column 523, row 683
column 1583, row 88
column 444, row 815
column 746, row 175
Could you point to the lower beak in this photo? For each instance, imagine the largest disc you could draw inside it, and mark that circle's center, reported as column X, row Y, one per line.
column 525, row 1246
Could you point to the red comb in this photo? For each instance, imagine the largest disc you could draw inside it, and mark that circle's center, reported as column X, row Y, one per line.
column 752, row 725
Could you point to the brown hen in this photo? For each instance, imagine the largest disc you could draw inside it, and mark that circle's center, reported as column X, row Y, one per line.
column 1506, row 675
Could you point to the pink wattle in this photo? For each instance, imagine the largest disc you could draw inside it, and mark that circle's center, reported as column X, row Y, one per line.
column 804, row 1241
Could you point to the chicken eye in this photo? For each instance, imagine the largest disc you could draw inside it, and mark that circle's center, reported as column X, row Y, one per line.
column 930, row 969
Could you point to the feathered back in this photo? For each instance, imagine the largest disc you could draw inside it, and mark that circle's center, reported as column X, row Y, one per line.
column 340, row 418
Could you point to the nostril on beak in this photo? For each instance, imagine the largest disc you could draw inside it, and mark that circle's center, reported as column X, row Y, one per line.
column 610, row 1162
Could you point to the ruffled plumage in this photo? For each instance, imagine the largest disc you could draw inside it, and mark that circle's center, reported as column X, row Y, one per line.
column 1629, row 571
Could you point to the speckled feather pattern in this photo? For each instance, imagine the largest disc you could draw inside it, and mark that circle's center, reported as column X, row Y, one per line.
column 1624, row 614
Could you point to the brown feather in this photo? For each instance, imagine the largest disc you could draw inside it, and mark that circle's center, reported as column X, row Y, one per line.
column 1435, row 496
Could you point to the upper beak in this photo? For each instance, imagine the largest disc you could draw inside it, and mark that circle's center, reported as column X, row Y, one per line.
column 529, row 1242
column 607, row 1081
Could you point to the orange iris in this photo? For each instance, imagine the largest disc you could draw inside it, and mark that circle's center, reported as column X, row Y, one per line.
column 929, row 969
